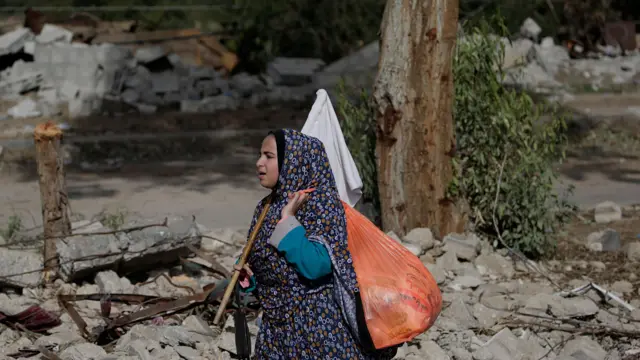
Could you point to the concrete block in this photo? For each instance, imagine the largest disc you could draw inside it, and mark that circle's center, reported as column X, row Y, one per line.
column 293, row 71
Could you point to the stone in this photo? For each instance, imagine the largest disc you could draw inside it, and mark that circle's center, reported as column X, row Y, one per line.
column 605, row 240
column 466, row 247
column 13, row 41
column 24, row 262
column 494, row 264
column 26, row 108
column 506, row 346
column 459, row 316
column 530, row 29
column 633, row 251
column 486, row 316
column 583, row 348
column 547, row 42
column 52, row 33
column 607, row 212
column 465, row 282
column 623, row 287
column 560, row 307
column 246, row 84
column 110, row 283
column 153, row 246
column 149, row 54
column 437, row 272
column 430, row 350
column 188, row 353
column 551, row 59
column 420, row 236
column 515, row 52
column 84, row 351
column 293, row 71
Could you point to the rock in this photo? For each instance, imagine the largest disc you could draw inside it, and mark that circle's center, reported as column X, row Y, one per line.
column 437, row 272
column 551, row 59
column 420, row 236
column 494, row 264
column 560, row 307
column 547, row 42
column 432, row 351
column 623, row 287
column 293, row 71
column 84, row 351
column 466, row 247
column 506, row 346
column 165, row 335
column 109, row 282
column 13, row 41
column 515, row 52
column 26, row 108
column 27, row 263
column 607, row 212
column 605, row 240
column 149, row 54
column 583, row 348
column 633, row 251
column 461, row 354
column 457, row 316
column 486, row 316
column 530, row 29
column 137, row 250
column 465, row 282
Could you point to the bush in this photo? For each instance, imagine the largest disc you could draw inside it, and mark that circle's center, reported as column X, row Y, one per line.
column 501, row 142
column 357, row 120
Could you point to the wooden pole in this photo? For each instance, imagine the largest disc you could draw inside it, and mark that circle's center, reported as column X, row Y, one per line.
column 53, row 193
column 413, row 94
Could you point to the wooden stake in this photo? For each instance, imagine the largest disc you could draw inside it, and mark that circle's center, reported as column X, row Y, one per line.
column 53, row 193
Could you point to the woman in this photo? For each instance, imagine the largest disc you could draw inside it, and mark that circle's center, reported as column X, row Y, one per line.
column 300, row 265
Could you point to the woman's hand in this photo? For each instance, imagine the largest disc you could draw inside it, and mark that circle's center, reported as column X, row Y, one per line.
column 245, row 274
column 295, row 202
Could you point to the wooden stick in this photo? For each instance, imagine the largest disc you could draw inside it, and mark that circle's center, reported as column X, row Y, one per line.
column 53, row 192
column 241, row 263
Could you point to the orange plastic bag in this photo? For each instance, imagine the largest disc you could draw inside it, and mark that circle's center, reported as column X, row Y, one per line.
column 400, row 297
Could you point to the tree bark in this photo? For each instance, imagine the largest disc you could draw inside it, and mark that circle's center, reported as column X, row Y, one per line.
column 53, row 192
column 413, row 95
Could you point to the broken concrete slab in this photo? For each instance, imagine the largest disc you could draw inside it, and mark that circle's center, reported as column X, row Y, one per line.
column 560, row 307
column 52, row 33
column 149, row 54
column 13, row 41
column 422, row 237
column 82, row 256
column 605, row 240
column 465, row 246
column 633, row 251
column 293, row 71
column 28, row 264
column 583, row 348
column 606, row 212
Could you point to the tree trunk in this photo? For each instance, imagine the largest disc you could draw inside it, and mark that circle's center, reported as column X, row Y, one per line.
column 413, row 95
column 53, row 192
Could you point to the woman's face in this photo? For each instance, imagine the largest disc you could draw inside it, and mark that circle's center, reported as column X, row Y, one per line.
column 267, row 165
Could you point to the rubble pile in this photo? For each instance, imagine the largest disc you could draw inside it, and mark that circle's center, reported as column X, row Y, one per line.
column 543, row 65
column 494, row 306
column 92, row 78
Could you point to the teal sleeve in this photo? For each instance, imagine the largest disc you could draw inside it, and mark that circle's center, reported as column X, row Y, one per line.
column 252, row 283
column 311, row 259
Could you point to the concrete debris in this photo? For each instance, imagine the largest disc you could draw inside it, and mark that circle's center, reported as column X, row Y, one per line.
column 148, row 247
column 150, row 78
column 490, row 311
column 605, row 240
column 607, row 212
column 530, row 29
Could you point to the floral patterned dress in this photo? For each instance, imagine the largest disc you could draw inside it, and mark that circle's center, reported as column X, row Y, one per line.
column 304, row 319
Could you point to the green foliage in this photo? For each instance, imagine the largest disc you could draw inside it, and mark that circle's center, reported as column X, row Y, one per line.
column 357, row 121
column 501, row 142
